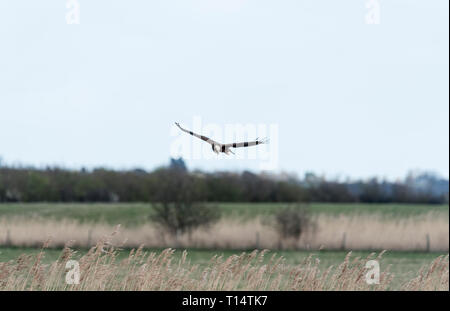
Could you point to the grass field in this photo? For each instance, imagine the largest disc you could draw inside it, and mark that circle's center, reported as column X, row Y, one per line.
column 402, row 262
column 220, row 250
column 401, row 267
column 132, row 214
column 243, row 226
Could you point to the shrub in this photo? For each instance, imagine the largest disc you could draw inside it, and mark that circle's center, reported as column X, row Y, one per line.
column 292, row 221
column 183, row 217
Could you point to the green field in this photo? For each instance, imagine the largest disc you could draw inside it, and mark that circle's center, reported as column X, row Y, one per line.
column 130, row 214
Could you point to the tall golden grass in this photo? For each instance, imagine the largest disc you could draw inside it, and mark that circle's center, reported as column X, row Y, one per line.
column 358, row 232
column 100, row 269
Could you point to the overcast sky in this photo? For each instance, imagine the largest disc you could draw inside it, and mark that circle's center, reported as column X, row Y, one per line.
column 347, row 98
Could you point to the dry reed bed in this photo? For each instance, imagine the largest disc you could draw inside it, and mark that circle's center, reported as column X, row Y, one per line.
column 359, row 232
column 101, row 270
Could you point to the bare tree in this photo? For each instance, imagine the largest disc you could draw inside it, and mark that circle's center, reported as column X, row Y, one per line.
column 179, row 210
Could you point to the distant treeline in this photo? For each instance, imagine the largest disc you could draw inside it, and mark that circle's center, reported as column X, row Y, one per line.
column 19, row 184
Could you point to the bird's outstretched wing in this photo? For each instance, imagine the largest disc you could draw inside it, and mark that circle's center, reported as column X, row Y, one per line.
column 207, row 139
column 248, row 143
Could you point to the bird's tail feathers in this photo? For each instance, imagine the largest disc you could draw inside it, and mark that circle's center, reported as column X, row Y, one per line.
column 264, row 140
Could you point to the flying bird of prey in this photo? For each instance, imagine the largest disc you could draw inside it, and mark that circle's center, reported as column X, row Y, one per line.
column 224, row 148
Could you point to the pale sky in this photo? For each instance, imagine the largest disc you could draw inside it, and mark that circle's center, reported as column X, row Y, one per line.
column 349, row 98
